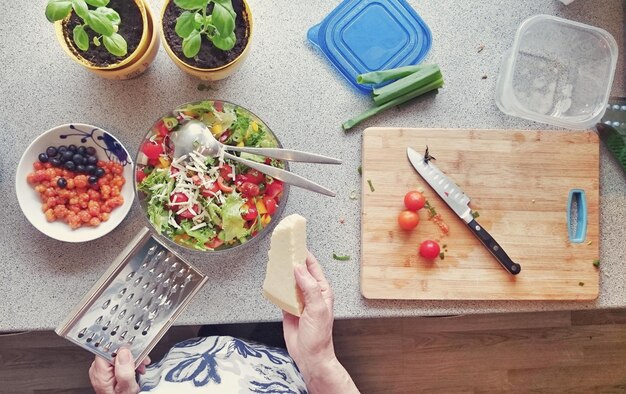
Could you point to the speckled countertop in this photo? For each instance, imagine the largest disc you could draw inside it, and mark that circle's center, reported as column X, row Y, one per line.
column 290, row 85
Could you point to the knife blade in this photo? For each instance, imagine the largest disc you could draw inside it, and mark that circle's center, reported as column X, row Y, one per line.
column 458, row 201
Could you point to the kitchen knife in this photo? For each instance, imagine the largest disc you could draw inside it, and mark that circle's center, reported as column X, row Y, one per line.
column 459, row 203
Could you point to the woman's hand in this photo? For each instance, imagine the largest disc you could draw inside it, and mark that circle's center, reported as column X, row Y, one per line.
column 309, row 338
column 118, row 379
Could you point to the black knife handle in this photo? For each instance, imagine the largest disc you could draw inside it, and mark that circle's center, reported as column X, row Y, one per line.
column 493, row 247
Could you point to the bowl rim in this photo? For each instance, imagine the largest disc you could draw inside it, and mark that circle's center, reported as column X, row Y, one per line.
column 254, row 240
column 20, row 182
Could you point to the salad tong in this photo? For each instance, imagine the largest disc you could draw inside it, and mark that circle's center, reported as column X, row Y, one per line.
column 196, row 136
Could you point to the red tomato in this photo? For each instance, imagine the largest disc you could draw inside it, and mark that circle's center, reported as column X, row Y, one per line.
column 162, row 129
column 187, row 214
column 255, row 176
column 274, row 189
column 249, row 189
column 219, row 106
column 179, row 197
column 408, row 220
column 222, row 185
column 429, row 249
column 270, row 205
column 140, row 176
column 152, row 150
column 210, row 191
column 414, row 200
column 251, row 213
column 226, row 171
column 214, row 243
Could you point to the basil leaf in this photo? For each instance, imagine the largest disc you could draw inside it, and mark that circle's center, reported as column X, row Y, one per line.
column 80, row 8
column 97, row 3
column 57, row 10
column 228, row 5
column 185, row 24
column 225, row 44
column 115, row 44
column 81, row 39
column 111, row 14
column 223, row 20
column 191, row 44
column 200, row 21
column 191, row 4
column 100, row 23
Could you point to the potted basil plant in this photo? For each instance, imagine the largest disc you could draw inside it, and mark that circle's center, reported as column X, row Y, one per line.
column 208, row 39
column 113, row 38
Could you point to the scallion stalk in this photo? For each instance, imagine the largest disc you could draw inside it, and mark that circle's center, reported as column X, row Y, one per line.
column 407, row 84
column 392, row 103
column 376, row 77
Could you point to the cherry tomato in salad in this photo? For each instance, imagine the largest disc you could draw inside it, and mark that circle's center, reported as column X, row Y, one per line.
column 270, row 205
column 214, row 243
column 162, row 129
column 178, row 198
column 152, row 150
column 226, row 171
column 414, row 200
column 408, row 220
column 251, row 213
column 210, row 191
column 255, row 176
column 223, row 186
column 219, row 106
column 240, row 179
column 274, row 189
column 249, row 189
column 140, row 176
column 429, row 249
column 187, row 214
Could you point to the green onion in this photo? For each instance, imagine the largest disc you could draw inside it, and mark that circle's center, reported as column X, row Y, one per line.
column 397, row 101
column 369, row 182
column 341, row 257
column 417, row 80
column 596, row 263
column 375, row 77
column 475, row 214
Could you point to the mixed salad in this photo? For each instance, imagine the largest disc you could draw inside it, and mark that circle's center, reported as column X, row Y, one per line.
column 208, row 203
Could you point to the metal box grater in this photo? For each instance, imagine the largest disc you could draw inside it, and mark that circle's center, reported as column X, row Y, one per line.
column 134, row 303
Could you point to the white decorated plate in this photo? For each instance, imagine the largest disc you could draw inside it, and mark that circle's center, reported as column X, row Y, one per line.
column 108, row 148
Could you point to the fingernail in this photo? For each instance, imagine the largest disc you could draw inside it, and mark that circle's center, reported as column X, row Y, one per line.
column 124, row 357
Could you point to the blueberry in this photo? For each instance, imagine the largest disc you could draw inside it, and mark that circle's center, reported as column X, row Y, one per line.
column 43, row 158
column 92, row 160
column 92, row 179
column 99, row 172
column 51, row 151
column 90, row 169
column 62, row 183
column 91, row 151
column 81, row 168
column 72, row 148
column 62, row 149
column 82, row 150
column 55, row 162
column 78, row 159
column 69, row 165
column 67, row 156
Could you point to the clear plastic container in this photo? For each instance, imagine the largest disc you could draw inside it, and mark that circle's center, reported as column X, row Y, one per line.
column 558, row 72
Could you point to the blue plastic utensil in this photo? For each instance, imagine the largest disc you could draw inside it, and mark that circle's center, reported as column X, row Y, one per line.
column 361, row 36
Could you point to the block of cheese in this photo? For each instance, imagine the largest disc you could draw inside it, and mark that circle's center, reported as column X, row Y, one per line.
column 287, row 249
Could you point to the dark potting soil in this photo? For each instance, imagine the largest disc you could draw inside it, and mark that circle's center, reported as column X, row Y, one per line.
column 131, row 28
column 209, row 56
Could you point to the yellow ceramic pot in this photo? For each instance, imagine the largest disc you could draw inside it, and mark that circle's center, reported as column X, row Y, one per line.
column 142, row 62
column 210, row 74
column 74, row 53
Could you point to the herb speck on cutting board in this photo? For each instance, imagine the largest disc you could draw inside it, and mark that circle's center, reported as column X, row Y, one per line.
column 369, row 182
column 581, row 284
column 596, row 263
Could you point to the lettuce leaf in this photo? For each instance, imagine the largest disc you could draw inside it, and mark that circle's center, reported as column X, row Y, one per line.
column 158, row 216
column 202, row 235
column 232, row 222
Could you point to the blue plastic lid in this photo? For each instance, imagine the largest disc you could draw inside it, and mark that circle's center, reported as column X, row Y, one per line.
column 360, row 36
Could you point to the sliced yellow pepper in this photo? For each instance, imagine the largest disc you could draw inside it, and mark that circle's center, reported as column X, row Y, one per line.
column 265, row 220
column 255, row 126
column 164, row 162
column 216, row 129
column 260, row 206
column 240, row 143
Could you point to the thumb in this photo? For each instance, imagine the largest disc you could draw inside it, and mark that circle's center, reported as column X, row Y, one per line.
column 311, row 291
column 125, row 373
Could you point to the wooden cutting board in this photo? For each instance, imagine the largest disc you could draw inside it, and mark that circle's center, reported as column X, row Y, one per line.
column 519, row 182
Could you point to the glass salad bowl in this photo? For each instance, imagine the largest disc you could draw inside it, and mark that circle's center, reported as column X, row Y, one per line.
column 208, row 204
